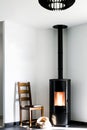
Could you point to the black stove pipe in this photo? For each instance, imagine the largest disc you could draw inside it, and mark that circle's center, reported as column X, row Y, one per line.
column 60, row 49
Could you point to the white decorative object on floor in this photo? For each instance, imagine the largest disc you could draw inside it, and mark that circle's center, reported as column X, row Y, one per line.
column 43, row 122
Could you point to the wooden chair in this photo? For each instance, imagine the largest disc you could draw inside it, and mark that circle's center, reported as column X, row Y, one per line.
column 24, row 92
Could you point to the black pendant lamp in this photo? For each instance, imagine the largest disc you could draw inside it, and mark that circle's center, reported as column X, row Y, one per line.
column 56, row 4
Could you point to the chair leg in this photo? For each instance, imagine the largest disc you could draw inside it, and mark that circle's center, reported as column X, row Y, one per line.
column 42, row 111
column 30, row 117
column 20, row 117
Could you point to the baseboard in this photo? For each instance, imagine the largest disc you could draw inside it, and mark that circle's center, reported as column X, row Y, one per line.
column 12, row 124
column 72, row 122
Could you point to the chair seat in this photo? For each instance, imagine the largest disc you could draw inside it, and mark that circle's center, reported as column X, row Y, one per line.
column 31, row 106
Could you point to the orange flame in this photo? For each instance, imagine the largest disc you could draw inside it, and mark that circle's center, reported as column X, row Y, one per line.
column 59, row 98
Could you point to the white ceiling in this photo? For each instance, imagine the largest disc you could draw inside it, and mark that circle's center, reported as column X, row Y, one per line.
column 29, row 12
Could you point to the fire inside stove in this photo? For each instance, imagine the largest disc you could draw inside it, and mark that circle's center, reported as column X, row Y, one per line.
column 59, row 98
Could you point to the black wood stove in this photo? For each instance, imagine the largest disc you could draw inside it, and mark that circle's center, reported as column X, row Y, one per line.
column 60, row 89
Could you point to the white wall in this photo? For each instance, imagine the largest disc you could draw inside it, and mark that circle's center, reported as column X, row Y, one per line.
column 30, row 55
column 77, row 71
column 20, row 55
column 46, row 65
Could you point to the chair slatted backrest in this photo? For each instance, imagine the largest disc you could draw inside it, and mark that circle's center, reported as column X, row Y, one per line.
column 24, row 92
